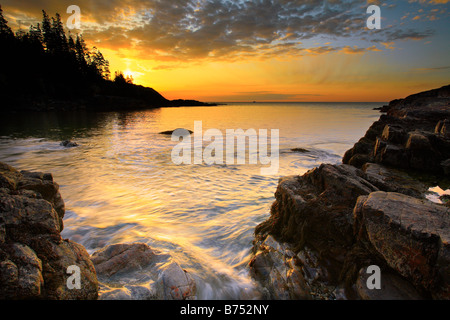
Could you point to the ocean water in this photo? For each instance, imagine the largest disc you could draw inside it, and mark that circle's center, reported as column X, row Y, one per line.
column 121, row 185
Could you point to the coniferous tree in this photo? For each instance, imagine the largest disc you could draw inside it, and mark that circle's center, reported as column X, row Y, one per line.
column 5, row 30
column 100, row 64
column 47, row 32
column 71, row 43
column 35, row 35
column 59, row 35
column 81, row 51
column 44, row 63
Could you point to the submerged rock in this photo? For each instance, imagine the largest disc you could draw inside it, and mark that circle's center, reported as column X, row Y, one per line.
column 179, row 131
column 34, row 259
column 69, row 144
column 302, row 150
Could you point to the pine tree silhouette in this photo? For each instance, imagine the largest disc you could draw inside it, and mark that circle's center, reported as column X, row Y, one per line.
column 44, row 64
column 5, row 30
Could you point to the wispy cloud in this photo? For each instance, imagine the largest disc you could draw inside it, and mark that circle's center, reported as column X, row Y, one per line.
column 432, row 68
column 183, row 30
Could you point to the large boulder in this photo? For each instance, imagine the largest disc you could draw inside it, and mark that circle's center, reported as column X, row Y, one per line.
column 313, row 215
column 316, row 232
column 393, row 180
column 316, row 209
column 412, row 236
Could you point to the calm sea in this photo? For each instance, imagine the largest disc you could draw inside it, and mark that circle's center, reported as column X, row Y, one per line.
column 120, row 184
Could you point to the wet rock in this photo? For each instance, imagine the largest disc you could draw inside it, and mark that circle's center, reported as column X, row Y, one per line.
column 9, row 177
column 175, row 283
column 393, row 180
column 33, row 256
column 316, row 209
column 391, row 155
column 394, row 134
column 275, row 266
column 21, row 273
column 137, row 272
column 179, row 131
column 44, row 187
column 364, row 148
column 68, row 144
column 122, row 258
column 411, row 235
column 420, row 151
column 9, row 276
column 393, row 287
column 56, row 258
column 21, row 215
column 302, row 150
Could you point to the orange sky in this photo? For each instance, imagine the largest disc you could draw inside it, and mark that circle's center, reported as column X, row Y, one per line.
column 264, row 50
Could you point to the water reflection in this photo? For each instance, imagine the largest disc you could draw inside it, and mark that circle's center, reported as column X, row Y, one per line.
column 120, row 184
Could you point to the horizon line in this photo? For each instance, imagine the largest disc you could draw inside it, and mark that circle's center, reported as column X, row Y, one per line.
column 256, row 101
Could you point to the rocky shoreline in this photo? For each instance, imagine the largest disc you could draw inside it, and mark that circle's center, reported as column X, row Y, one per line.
column 325, row 229
column 33, row 257
column 329, row 225
column 35, row 260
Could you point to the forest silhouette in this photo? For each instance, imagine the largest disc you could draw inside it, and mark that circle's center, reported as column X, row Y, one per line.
column 46, row 69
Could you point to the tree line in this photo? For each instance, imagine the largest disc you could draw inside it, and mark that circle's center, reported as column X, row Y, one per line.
column 46, row 62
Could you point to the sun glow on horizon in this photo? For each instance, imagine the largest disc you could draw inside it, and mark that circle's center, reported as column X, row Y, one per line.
column 232, row 51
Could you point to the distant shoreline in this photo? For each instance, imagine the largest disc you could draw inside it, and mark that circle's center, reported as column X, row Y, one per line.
column 101, row 103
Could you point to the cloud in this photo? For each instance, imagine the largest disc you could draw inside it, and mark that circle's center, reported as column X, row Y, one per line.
column 358, row 50
column 409, row 34
column 432, row 69
column 388, row 45
column 184, row 30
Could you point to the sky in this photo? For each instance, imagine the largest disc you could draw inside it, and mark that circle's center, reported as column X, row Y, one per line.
column 263, row 50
